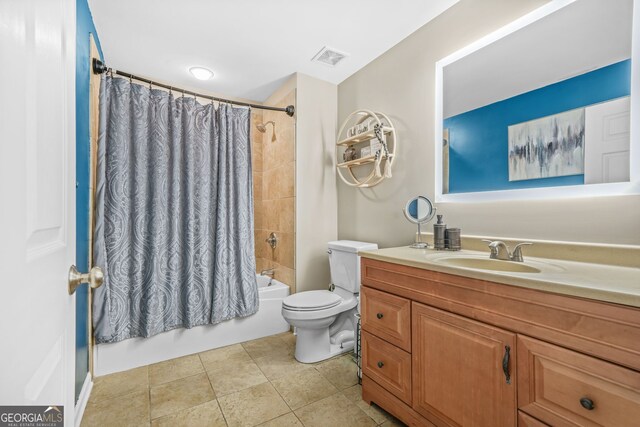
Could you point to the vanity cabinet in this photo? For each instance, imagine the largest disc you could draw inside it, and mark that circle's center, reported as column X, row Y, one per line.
column 462, row 369
column 446, row 350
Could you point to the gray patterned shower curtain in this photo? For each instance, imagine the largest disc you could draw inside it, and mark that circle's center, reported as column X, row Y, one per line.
column 174, row 213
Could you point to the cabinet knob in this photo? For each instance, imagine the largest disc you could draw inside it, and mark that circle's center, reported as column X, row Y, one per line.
column 380, row 364
column 379, row 315
column 587, row 403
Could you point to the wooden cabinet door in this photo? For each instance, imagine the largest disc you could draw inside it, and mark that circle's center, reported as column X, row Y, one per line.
column 458, row 374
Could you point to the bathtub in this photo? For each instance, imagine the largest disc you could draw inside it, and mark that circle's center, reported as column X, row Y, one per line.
column 135, row 352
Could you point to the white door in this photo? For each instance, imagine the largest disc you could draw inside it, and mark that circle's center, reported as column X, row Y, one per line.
column 37, row 202
column 607, row 138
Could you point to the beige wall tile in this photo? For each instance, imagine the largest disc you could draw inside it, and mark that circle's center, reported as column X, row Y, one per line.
column 262, row 247
column 257, row 186
column 287, row 276
column 267, row 263
column 270, row 215
column 269, row 157
column 284, row 252
column 258, row 215
column 259, row 264
column 257, row 158
column 269, row 184
column 274, row 186
column 286, row 215
column 287, row 181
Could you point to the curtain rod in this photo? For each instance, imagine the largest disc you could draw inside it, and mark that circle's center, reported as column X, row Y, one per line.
column 100, row 67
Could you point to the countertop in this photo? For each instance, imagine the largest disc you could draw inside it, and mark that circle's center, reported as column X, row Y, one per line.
column 602, row 282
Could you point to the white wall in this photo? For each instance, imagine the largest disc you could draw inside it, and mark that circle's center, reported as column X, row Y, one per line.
column 316, row 199
column 401, row 83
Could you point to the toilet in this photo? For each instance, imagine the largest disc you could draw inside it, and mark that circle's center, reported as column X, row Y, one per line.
column 325, row 321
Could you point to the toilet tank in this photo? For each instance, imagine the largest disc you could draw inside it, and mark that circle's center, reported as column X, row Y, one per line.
column 345, row 263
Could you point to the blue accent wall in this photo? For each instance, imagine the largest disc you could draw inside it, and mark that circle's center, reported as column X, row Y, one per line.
column 478, row 150
column 84, row 27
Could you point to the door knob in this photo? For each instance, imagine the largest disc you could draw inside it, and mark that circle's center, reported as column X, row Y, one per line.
column 94, row 278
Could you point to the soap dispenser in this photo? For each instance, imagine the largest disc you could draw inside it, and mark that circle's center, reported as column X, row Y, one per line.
column 438, row 234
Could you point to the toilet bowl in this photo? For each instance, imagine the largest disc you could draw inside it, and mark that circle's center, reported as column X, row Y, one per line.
column 325, row 321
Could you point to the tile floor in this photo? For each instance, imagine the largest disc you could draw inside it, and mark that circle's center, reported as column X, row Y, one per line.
column 256, row 383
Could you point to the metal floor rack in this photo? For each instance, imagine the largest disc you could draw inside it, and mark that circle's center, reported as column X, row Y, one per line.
column 357, row 357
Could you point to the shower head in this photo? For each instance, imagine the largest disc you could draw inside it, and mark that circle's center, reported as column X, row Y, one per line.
column 262, row 127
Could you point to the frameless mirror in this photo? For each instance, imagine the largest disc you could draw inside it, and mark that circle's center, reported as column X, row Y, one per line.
column 418, row 211
column 547, row 104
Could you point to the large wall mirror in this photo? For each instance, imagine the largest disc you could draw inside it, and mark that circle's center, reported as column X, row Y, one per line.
column 544, row 107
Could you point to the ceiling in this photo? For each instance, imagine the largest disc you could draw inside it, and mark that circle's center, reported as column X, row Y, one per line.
column 252, row 46
column 583, row 36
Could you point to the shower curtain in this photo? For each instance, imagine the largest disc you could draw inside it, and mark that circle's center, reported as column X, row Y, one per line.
column 174, row 213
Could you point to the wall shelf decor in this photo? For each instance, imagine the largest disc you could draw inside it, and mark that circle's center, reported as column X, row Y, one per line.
column 373, row 137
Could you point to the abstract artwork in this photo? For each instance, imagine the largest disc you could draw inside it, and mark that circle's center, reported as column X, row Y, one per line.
column 547, row 147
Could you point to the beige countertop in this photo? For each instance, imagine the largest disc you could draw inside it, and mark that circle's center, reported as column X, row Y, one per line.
column 602, row 282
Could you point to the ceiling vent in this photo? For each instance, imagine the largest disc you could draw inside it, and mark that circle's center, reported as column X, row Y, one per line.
column 329, row 56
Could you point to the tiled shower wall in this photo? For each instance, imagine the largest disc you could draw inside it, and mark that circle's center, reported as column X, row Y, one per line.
column 274, row 191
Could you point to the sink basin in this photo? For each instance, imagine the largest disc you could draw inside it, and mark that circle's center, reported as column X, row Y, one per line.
column 488, row 264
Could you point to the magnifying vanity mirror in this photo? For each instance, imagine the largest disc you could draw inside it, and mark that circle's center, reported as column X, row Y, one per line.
column 419, row 210
column 542, row 107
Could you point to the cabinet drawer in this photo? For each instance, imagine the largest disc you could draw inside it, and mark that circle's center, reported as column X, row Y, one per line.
column 525, row 420
column 565, row 388
column 387, row 365
column 387, row 316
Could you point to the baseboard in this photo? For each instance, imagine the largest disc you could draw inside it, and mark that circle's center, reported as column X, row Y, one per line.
column 83, row 399
column 373, row 392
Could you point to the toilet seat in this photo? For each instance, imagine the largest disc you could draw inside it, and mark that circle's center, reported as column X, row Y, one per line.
column 311, row 301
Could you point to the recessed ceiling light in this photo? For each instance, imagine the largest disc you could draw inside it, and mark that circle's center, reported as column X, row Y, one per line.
column 201, row 73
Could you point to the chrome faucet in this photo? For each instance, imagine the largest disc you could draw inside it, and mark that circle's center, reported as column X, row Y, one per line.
column 268, row 272
column 500, row 250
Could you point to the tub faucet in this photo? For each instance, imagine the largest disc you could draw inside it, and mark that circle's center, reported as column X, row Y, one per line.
column 500, row 250
column 268, row 272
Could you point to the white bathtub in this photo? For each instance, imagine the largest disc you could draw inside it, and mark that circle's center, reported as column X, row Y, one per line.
column 134, row 352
